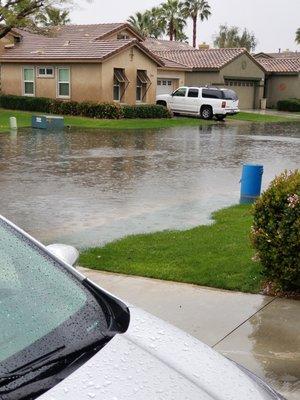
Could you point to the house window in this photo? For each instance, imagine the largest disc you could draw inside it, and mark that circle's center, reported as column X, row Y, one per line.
column 28, row 82
column 45, row 72
column 120, row 84
column 143, row 82
column 64, row 82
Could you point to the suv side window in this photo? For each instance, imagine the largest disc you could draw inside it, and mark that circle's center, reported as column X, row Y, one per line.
column 193, row 93
column 181, row 92
column 212, row 94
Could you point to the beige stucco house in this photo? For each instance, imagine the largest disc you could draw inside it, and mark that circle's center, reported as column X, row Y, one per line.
column 103, row 62
column 184, row 65
column 282, row 76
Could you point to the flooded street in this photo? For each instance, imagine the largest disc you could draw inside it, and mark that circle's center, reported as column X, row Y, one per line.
column 87, row 188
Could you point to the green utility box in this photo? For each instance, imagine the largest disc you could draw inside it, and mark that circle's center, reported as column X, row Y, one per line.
column 47, row 122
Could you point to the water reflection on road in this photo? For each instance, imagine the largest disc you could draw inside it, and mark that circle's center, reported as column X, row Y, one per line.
column 86, row 188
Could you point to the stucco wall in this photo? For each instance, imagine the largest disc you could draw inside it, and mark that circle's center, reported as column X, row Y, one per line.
column 282, row 87
column 89, row 82
column 242, row 67
column 131, row 60
column 202, row 78
column 85, row 81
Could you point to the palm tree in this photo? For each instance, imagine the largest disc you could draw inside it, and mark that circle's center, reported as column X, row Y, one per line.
column 229, row 37
column 53, row 16
column 173, row 19
column 298, row 36
column 149, row 23
column 196, row 9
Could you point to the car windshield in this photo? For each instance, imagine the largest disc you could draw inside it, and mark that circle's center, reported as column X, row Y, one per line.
column 43, row 307
column 230, row 95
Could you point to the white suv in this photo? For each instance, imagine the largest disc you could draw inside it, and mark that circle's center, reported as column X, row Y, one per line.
column 201, row 101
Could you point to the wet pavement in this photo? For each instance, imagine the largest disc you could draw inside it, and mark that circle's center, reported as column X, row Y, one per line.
column 261, row 333
column 88, row 188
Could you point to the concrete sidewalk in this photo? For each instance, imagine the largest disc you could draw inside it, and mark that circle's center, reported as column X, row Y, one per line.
column 276, row 113
column 262, row 333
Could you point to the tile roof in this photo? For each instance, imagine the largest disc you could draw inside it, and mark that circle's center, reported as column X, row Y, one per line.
column 164, row 45
column 73, row 42
column 283, row 54
column 280, row 65
column 210, row 59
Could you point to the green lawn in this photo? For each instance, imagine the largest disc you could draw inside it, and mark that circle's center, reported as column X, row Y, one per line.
column 251, row 117
column 218, row 255
column 24, row 120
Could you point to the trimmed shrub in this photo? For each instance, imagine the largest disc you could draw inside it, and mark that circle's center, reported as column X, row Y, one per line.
column 289, row 105
column 276, row 231
column 145, row 111
column 85, row 109
column 25, row 103
column 100, row 110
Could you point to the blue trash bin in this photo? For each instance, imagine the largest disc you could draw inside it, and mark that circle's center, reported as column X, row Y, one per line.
column 251, row 182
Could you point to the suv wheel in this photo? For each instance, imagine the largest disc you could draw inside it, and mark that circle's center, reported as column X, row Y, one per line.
column 206, row 112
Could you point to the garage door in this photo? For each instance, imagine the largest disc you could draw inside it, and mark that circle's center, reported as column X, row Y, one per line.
column 245, row 91
column 166, row 86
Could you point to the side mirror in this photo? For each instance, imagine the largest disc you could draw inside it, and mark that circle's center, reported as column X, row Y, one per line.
column 67, row 254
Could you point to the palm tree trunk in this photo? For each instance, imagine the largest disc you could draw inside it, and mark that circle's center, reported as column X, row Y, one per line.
column 194, row 31
column 171, row 31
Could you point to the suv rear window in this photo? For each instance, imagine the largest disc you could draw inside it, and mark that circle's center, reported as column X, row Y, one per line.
column 230, row 95
column 212, row 94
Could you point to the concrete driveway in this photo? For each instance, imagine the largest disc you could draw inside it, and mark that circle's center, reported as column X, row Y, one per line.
column 262, row 333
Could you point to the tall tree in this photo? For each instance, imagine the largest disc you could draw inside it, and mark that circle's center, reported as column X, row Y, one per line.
column 53, row 16
column 22, row 13
column 298, row 36
column 149, row 23
column 196, row 9
column 229, row 37
column 172, row 15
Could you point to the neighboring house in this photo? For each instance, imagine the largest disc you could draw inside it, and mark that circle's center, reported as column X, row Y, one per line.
column 184, row 65
column 102, row 63
column 282, row 77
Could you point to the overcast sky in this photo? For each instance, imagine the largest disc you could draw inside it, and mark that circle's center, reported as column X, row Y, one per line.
column 274, row 22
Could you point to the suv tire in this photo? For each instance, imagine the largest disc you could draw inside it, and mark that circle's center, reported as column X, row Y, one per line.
column 206, row 112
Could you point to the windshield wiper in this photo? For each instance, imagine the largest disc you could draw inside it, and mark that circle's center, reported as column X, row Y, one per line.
column 52, row 358
column 20, row 370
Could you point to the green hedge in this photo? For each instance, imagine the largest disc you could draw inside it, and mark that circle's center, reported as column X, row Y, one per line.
column 276, row 231
column 145, row 111
column 85, row 109
column 289, row 105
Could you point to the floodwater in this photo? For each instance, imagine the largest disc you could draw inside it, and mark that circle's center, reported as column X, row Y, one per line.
column 86, row 188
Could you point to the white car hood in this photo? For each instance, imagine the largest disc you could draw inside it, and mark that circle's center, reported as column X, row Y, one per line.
column 156, row 361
